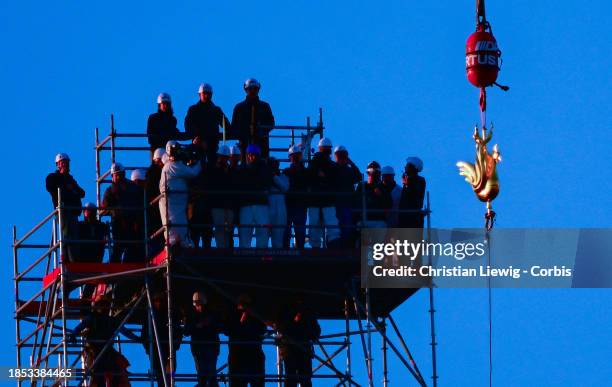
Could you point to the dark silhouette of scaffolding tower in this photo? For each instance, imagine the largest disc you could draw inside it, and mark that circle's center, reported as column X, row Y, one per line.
column 327, row 280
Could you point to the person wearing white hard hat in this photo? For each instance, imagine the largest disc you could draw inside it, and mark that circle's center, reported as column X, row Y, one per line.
column 94, row 235
column 391, row 188
column 161, row 125
column 71, row 194
column 174, row 186
column 323, row 184
column 139, row 177
column 348, row 175
column 249, row 116
column 276, row 203
column 219, row 178
column 296, row 198
column 204, row 326
column 123, row 200
column 413, row 195
column 203, row 121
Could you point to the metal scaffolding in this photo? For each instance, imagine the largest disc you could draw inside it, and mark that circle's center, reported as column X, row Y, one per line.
column 46, row 316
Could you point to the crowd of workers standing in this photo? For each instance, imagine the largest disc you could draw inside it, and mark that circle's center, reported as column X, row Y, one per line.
column 203, row 191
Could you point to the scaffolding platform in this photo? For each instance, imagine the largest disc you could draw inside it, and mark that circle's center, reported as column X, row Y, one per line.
column 321, row 278
column 326, row 281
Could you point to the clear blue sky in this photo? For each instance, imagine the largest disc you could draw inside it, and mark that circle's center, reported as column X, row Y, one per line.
column 391, row 81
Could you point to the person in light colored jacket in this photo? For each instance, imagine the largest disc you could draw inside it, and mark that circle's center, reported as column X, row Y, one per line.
column 276, row 203
column 173, row 204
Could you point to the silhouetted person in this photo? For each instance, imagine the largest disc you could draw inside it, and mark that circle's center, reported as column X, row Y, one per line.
column 124, row 200
column 348, row 176
column 161, row 126
column 413, row 194
column 92, row 238
column 219, row 178
column 249, row 115
column 71, row 194
column 323, row 183
column 377, row 200
column 203, row 121
column 160, row 324
column 203, row 326
column 296, row 197
column 255, row 178
column 246, row 359
column 394, row 191
column 297, row 332
column 97, row 328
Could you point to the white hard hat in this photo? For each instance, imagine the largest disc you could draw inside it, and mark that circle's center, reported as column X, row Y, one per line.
column 205, row 87
column 163, row 97
column 416, row 162
column 293, row 149
column 117, row 168
column 171, row 144
column 340, row 148
column 159, row 153
column 234, row 150
column 61, row 156
column 138, row 174
column 388, row 170
column 199, row 297
column 327, row 142
column 223, row 150
column 251, row 82
column 90, row 205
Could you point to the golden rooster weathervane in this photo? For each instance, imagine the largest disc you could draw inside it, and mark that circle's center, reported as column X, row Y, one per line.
column 482, row 175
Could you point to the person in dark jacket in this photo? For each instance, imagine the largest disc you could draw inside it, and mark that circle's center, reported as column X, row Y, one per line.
column 377, row 200
column 246, row 359
column 204, row 327
column 161, row 126
column 124, row 201
column 97, row 328
column 159, row 311
column 199, row 210
column 92, row 237
column 348, row 176
column 71, row 194
column 296, row 333
column 219, row 178
column 296, row 198
column 248, row 117
column 323, row 184
column 202, row 123
column 413, row 194
column 255, row 179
